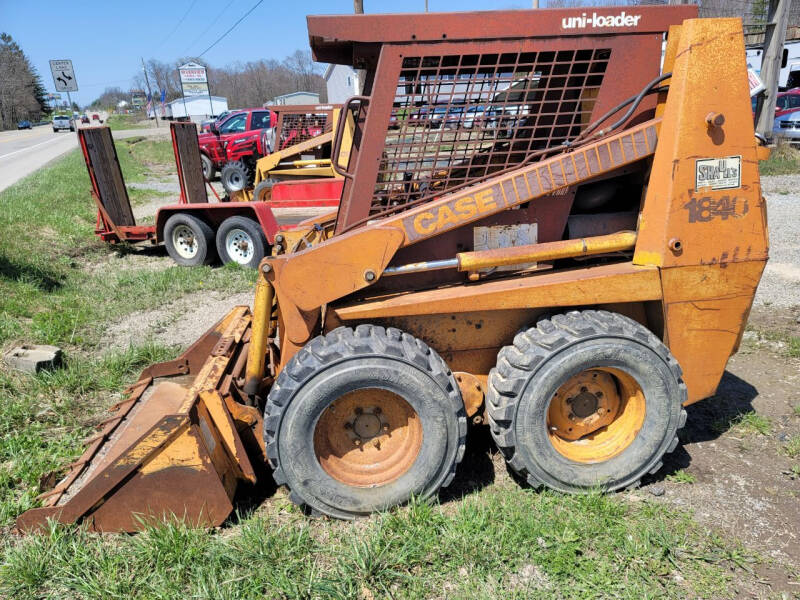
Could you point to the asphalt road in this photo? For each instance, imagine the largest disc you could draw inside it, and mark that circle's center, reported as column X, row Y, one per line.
column 23, row 152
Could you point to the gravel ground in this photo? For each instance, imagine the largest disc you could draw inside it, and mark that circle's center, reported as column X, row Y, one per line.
column 780, row 285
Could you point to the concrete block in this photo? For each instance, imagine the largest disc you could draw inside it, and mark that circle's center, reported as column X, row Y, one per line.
column 33, row 358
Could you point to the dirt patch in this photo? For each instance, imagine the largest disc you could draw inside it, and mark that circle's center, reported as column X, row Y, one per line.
column 744, row 482
column 178, row 323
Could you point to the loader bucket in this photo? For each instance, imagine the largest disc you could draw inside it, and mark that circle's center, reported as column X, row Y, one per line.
column 176, row 445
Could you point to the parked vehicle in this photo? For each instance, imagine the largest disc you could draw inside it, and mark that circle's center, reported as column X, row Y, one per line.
column 787, row 126
column 84, row 119
column 24, row 124
column 62, row 122
column 205, row 126
column 239, row 127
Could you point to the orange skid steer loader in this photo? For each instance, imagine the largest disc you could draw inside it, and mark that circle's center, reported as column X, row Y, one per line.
column 550, row 234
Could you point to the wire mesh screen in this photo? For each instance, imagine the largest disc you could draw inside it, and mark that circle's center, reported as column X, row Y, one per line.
column 299, row 127
column 462, row 117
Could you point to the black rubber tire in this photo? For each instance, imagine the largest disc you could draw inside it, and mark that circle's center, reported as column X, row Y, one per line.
column 343, row 360
column 235, row 176
column 262, row 187
column 203, row 234
column 208, row 167
column 541, row 359
column 254, row 232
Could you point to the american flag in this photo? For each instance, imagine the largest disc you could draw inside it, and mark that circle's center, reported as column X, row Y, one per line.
column 149, row 104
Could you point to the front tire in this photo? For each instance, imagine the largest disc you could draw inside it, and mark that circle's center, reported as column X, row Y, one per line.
column 363, row 419
column 236, row 176
column 241, row 240
column 208, row 167
column 189, row 240
column 586, row 400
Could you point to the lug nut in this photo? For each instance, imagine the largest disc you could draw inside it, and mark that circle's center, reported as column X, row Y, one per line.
column 266, row 268
column 348, row 425
column 385, row 427
column 357, row 442
column 584, row 388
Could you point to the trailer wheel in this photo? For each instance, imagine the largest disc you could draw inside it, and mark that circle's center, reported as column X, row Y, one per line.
column 363, row 419
column 189, row 240
column 208, row 167
column 236, row 176
column 585, row 400
column 241, row 240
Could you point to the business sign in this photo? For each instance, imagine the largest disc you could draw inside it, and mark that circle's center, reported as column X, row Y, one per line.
column 195, row 89
column 192, row 73
column 63, row 76
column 138, row 98
column 194, row 79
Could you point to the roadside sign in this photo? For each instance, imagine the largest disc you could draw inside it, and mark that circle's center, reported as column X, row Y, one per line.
column 63, row 76
column 194, row 80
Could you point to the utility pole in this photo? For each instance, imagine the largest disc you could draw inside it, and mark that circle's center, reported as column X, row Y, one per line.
column 149, row 93
column 774, row 37
column 535, row 4
column 358, row 7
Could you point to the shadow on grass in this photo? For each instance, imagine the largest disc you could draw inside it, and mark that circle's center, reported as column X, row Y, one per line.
column 43, row 279
column 476, row 470
column 708, row 420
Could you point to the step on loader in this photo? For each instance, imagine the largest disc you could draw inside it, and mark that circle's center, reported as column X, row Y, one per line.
column 568, row 253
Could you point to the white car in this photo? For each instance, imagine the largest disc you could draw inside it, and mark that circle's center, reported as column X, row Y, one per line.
column 63, row 122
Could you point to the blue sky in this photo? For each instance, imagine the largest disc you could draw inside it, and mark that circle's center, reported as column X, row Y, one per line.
column 105, row 39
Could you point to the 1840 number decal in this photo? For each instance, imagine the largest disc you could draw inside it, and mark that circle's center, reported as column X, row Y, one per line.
column 703, row 210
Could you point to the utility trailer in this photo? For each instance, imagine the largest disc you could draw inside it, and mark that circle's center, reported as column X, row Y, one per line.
column 194, row 231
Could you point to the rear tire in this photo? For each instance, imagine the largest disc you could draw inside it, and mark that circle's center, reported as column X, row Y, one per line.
column 399, row 431
column 236, row 176
column 241, row 240
column 586, row 400
column 208, row 167
column 189, row 240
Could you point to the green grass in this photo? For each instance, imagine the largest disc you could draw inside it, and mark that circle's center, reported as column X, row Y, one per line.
column 752, row 423
column 784, row 160
column 796, row 411
column 681, row 476
column 792, row 447
column 118, row 122
column 151, row 152
column 45, row 294
column 501, row 542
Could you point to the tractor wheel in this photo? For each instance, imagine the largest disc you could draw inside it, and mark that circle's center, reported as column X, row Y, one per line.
column 362, row 420
column 241, row 240
column 263, row 191
column 236, row 176
column 189, row 240
column 586, row 400
column 208, row 167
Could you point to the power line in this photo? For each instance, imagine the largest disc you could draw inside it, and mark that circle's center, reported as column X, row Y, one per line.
column 210, row 25
column 231, row 29
column 174, row 29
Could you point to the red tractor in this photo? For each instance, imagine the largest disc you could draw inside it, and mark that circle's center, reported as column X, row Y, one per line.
column 289, row 125
column 241, row 128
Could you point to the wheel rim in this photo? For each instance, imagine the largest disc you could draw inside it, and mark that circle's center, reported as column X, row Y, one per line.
column 239, row 246
column 595, row 415
column 235, row 181
column 184, row 241
column 206, row 169
column 368, row 437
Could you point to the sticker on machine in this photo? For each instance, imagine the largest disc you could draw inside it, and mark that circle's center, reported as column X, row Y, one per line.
column 718, row 173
